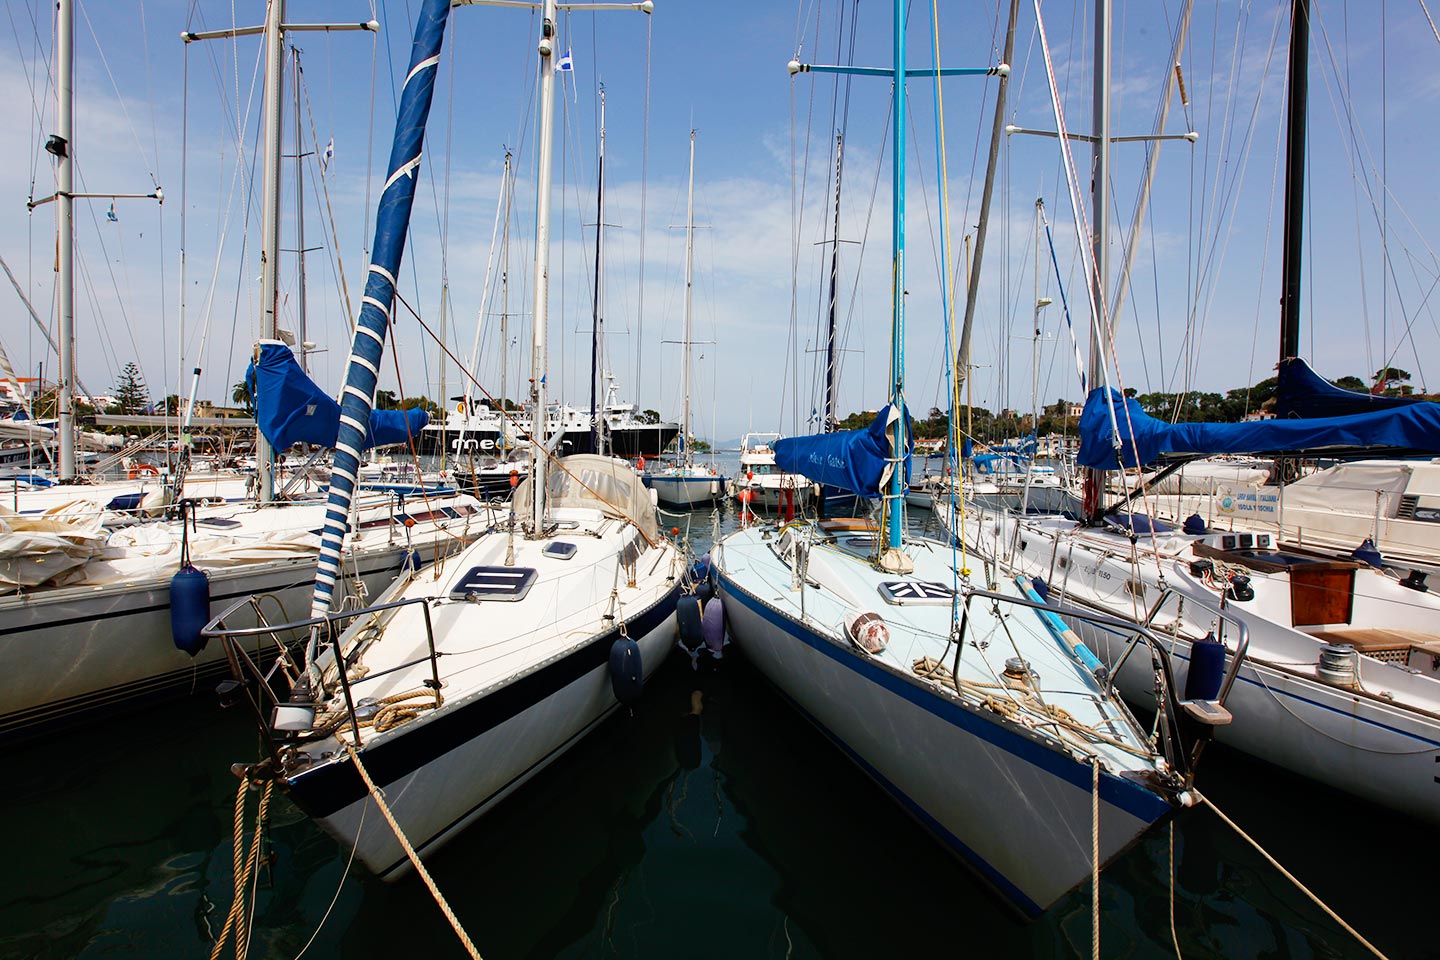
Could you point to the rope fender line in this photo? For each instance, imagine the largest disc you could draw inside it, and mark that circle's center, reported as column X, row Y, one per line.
column 1289, row 876
column 379, row 798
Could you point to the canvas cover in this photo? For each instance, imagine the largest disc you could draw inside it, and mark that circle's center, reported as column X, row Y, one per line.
column 855, row 460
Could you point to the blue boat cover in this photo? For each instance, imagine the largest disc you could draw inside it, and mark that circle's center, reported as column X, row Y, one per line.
column 1302, row 392
column 1413, row 427
column 290, row 408
column 854, row 460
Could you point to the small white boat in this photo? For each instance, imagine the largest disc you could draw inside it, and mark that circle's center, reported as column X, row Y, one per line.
column 759, row 483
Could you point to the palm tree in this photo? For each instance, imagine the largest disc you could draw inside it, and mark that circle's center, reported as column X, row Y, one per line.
column 241, row 394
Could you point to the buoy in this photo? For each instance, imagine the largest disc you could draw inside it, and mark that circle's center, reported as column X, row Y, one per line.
column 689, row 617
column 189, row 608
column 1207, row 668
column 1195, row 525
column 713, row 627
column 410, row 562
column 626, row 677
column 1042, row 589
column 640, row 465
column 142, row 469
column 1366, row 553
column 868, row 631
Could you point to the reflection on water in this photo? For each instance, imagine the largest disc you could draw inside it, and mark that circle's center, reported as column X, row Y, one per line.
column 709, row 821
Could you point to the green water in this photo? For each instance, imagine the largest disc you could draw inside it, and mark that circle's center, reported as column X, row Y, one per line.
column 734, row 831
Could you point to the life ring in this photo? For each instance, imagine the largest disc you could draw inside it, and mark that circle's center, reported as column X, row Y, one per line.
column 142, row 470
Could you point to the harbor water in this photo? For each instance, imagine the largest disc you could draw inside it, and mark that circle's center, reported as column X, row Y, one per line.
column 708, row 821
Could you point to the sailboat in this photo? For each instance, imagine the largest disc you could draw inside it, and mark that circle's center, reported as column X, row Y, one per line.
column 465, row 678
column 684, row 484
column 983, row 719
column 1339, row 682
column 117, row 622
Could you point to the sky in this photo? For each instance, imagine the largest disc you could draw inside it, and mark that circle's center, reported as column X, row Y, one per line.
column 175, row 286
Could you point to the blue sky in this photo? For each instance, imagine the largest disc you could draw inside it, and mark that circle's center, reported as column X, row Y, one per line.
column 1202, row 306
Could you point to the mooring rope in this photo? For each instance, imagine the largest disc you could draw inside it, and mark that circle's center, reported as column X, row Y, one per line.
column 235, row 920
column 1095, row 858
column 1290, row 876
column 410, row 852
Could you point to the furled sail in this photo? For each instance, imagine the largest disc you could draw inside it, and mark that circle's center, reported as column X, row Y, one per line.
column 291, row 408
column 391, row 223
column 1302, row 392
column 1412, row 428
column 856, row 460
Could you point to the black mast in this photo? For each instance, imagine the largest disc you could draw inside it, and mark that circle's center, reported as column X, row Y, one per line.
column 832, row 415
column 595, row 321
column 1295, row 178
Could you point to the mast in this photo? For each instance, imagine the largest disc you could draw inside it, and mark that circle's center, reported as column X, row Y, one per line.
column 1100, row 224
column 504, row 310
column 270, row 219
column 65, row 237
column 687, row 455
column 832, row 386
column 897, row 330
column 300, row 332
column 597, row 434
column 539, row 417
column 972, row 282
column 1299, row 85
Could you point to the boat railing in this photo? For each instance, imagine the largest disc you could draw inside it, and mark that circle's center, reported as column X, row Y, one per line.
column 282, row 685
column 1169, row 704
column 1221, row 620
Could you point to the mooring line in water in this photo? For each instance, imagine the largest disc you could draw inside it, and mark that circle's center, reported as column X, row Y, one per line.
column 1095, row 857
column 1290, row 876
column 1174, row 934
column 236, row 919
column 410, row 852
column 344, row 874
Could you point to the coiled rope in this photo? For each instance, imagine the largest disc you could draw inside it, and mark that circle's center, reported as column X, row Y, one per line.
column 410, row 852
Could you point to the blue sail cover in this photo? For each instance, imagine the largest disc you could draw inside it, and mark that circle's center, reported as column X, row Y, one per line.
column 854, row 460
column 290, row 408
column 1302, row 392
column 1415, row 427
column 392, row 221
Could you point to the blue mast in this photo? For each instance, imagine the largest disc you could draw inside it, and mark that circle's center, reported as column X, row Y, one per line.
column 897, row 329
column 391, row 223
column 898, row 73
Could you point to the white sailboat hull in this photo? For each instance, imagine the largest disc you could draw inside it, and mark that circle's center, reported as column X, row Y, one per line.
column 681, row 491
column 72, row 654
column 495, row 744
column 1016, row 810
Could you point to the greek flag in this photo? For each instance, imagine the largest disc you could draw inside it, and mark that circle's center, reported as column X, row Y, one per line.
column 565, row 62
column 327, row 155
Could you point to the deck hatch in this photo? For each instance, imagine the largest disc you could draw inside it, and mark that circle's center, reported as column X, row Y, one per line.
column 559, row 549
column 494, row 583
column 903, row 593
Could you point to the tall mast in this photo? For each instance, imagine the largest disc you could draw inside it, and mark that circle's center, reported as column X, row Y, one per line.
column 507, row 186
column 832, row 386
column 897, row 331
column 1100, row 224
column 300, row 331
column 270, row 218
column 972, row 279
column 1299, row 85
column 65, row 237
column 689, row 291
column 596, row 433
column 539, row 417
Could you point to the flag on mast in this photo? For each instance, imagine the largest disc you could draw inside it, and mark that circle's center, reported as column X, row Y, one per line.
column 327, row 155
